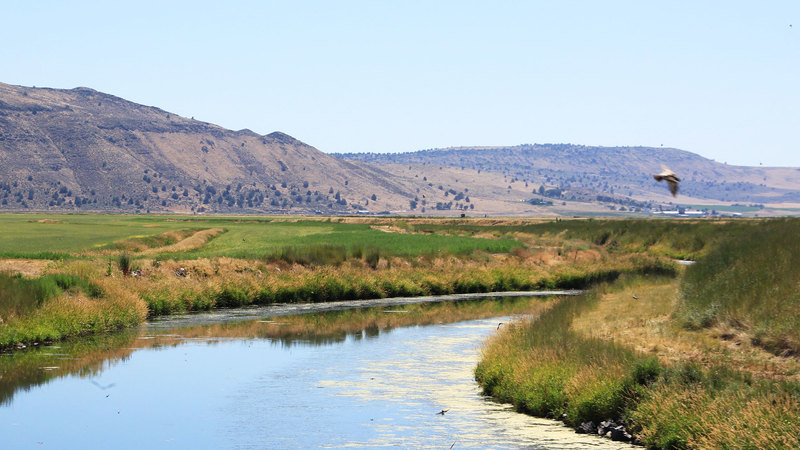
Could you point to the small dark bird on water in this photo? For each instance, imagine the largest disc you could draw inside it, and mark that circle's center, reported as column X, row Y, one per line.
column 499, row 325
column 443, row 411
column 671, row 179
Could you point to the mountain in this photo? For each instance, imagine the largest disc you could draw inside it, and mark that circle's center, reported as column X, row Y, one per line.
column 83, row 150
column 621, row 175
column 80, row 149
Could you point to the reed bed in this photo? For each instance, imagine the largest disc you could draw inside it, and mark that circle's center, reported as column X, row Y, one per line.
column 545, row 369
column 749, row 282
column 126, row 297
column 73, row 313
column 681, row 239
column 698, row 392
column 230, row 283
column 695, row 407
column 21, row 296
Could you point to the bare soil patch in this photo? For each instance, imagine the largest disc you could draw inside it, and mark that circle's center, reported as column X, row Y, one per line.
column 26, row 267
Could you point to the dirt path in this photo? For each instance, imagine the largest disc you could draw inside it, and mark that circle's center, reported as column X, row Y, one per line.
column 194, row 241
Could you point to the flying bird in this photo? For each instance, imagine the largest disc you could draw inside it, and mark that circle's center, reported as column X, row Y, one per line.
column 668, row 176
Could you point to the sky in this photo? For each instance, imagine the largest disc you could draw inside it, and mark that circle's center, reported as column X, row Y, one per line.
column 717, row 78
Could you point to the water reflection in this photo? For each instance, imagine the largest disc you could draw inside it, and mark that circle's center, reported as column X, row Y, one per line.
column 84, row 357
column 88, row 356
column 369, row 377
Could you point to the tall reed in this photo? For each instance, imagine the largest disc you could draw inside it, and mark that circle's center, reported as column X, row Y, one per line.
column 750, row 281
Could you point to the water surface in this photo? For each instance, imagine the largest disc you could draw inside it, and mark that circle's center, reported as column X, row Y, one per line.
column 213, row 387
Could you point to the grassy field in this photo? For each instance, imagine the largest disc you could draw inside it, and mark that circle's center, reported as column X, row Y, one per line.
column 45, row 236
column 706, row 360
column 141, row 266
column 702, row 357
column 72, row 236
column 751, row 281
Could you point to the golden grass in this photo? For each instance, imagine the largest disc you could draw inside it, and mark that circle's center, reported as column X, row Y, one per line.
column 714, row 389
column 692, row 418
column 646, row 325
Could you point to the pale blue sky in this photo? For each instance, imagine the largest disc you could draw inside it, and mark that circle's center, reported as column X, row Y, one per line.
column 718, row 78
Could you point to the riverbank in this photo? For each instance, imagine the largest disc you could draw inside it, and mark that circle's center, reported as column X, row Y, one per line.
column 700, row 361
column 125, row 269
column 375, row 377
column 116, row 300
column 664, row 355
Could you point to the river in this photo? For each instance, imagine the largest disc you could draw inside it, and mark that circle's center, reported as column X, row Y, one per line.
column 203, row 381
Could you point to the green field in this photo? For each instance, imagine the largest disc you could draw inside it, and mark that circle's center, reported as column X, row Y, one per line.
column 698, row 357
column 46, row 236
column 34, row 235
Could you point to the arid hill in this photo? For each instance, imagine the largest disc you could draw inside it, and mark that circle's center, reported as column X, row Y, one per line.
column 578, row 172
column 80, row 149
column 83, row 150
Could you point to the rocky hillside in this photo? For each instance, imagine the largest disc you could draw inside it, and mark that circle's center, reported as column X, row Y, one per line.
column 577, row 172
column 80, row 149
column 83, row 150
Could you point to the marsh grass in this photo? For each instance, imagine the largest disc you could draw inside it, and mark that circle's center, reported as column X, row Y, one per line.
column 139, row 243
column 691, row 406
column 544, row 368
column 22, row 296
column 316, row 255
column 229, row 282
column 750, row 282
column 674, row 238
column 74, row 313
column 125, row 263
column 698, row 395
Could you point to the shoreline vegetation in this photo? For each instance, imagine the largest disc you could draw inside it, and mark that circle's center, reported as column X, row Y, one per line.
column 702, row 357
column 704, row 360
column 125, row 269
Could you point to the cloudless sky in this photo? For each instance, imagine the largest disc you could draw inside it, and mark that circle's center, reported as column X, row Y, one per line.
column 718, row 78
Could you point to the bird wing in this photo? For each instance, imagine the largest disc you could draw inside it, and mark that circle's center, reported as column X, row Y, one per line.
column 673, row 186
column 665, row 171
